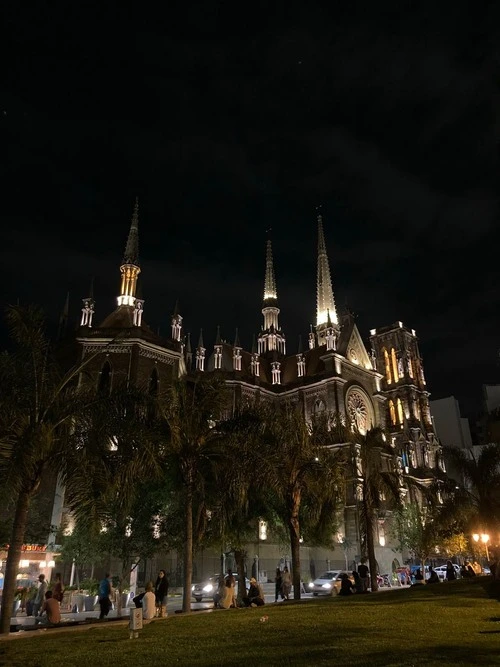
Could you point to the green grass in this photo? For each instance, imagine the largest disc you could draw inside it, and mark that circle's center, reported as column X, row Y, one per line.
column 446, row 624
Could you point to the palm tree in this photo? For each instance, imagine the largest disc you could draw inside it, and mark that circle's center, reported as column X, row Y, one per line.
column 119, row 453
column 190, row 410
column 297, row 466
column 476, row 492
column 37, row 410
column 378, row 485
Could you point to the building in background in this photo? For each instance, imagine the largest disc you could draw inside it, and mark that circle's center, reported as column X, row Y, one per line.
column 452, row 429
column 383, row 385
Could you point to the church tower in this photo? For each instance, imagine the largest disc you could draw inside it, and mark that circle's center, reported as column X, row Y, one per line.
column 271, row 338
column 327, row 324
column 130, row 268
column 397, row 357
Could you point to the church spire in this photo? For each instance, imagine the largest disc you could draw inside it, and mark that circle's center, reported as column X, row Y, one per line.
column 130, row 268
column 271, row 337
column 270, row 291
column 131, row 255
column 326, row 314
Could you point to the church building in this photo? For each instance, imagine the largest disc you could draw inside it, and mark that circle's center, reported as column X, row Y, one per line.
column 383, row 385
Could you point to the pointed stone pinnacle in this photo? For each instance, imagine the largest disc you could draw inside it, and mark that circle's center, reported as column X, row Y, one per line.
column 131, row 255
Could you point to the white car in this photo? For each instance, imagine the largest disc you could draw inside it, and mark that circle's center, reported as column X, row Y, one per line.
column 441, row 571
column 328, row 583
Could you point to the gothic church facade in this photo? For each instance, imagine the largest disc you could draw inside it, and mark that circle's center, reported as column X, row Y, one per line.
column 334, row 372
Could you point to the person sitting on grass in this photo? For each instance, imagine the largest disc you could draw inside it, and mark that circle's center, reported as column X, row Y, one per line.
column 52, row 610
column 149, row 602
column 255, row 597
column 227, row 600
column 419, row 578
column 433, row 578
column 358, row 584
column 345, row 585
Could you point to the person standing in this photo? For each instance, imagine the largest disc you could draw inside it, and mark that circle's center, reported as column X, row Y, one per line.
column 161, row 592
column 278, row 582
column 58, row 589
column 104, row 593
column 286, row 584
column 364, row 575
column 451, row 575
column 40, row 595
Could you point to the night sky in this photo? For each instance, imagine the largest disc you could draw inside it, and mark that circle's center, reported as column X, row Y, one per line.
column 227, row 122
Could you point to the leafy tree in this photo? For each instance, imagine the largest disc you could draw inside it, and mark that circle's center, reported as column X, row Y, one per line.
column 38, row 406
column 474, row 498
column 297, row 466
column 378, row 486
column 190, row 410
column 82, row 547
column 118, row 456
column 417, row 529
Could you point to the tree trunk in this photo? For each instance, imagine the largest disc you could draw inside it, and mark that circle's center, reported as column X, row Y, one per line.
column 294, row 528
column 370, row 549
column 239, row 557
column 188, row 546
column 13, row 557
column 422, row 564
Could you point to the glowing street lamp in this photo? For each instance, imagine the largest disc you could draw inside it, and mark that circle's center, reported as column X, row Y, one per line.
column 484, row 539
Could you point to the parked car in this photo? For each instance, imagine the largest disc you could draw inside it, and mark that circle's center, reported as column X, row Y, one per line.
column 328, row 583
column 441, row 571
column 207, row 588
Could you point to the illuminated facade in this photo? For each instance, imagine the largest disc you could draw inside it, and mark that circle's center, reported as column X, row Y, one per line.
column 336, row 374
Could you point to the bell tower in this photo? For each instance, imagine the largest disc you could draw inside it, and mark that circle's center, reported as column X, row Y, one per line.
column 397, row 357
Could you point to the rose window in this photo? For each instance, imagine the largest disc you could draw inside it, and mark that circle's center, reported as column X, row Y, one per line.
column 358, row 411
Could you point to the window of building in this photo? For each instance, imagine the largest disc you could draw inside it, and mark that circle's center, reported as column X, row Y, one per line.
column 105, row 378
column 392, row 411
column 153, row 383
column 387, row 367
column 400, row 411
column 394, row 365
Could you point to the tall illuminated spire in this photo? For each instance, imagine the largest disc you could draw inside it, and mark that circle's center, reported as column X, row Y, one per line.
column 271, row 337
column 130, row 268
column 325, row 302
column 270, row 291
column 131, row 255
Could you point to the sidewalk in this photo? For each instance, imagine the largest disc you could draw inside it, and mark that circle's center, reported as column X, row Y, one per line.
column 24, row 622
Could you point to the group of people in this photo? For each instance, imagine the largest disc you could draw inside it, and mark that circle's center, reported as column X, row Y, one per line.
column 46, row 605
column 283, row 584
column 225, row 595
column 358, row 582
column 154, row 599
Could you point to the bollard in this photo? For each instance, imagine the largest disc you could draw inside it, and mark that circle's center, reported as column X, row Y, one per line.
column 135, row 623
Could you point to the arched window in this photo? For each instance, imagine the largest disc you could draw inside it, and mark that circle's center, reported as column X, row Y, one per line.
column 104, row 384
column 387, row 367
column 394, row 365
column 392, row 411
column 400, row 411
column 410, row 367
column 153, row 383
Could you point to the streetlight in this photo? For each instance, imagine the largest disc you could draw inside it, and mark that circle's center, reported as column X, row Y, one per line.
column 484, row 539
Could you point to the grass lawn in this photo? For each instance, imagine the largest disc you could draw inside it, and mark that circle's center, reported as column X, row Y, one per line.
column 445, row 624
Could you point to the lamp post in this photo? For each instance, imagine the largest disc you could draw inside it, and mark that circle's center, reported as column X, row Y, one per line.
column 484, row 539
